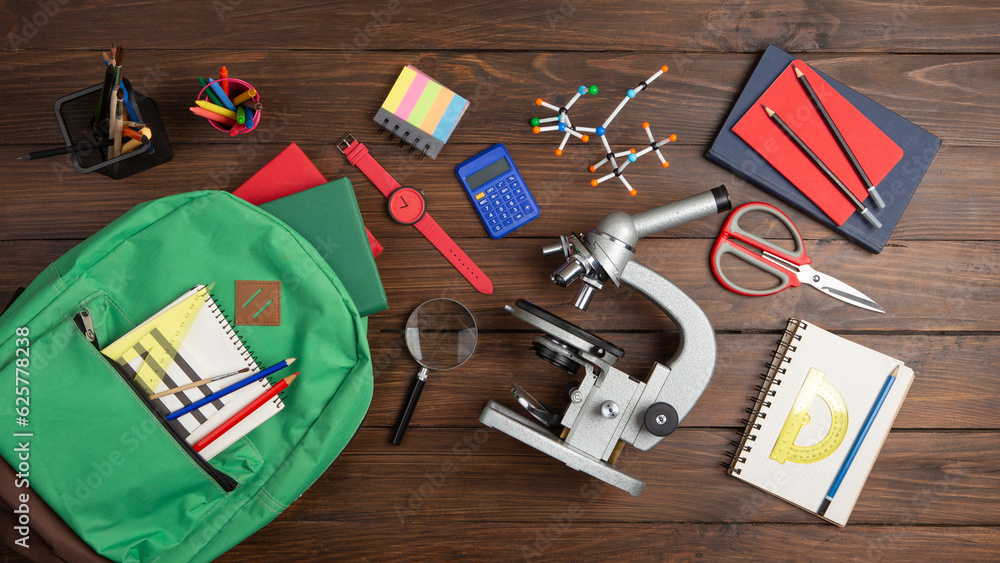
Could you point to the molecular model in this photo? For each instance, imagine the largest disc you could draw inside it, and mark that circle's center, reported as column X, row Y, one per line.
column 565, row 125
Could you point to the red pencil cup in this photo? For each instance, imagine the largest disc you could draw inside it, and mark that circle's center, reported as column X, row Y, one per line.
column 236, row 87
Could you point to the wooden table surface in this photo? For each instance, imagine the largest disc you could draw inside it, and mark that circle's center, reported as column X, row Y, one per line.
column 455, row 489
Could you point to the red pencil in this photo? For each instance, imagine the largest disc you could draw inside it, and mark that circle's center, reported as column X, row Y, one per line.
column 223, row 78
column 247, row 411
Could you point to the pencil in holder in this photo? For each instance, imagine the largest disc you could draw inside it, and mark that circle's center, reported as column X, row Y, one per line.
column 75, row 113
column 223, row 117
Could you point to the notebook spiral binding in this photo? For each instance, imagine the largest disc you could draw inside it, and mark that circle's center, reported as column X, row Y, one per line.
column 781, row 355
column 384, row 124
column 232, row 333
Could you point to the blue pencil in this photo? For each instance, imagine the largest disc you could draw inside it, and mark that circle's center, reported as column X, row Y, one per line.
column 214, row 85
column 857, row 442
column 234, row 387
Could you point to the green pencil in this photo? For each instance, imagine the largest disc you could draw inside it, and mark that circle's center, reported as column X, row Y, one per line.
column 211, row 95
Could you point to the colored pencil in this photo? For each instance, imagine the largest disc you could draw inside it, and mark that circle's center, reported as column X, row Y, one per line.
column 234, row 387
column 223, row 98
column 197, row 383
column 857, row 442
column 245, row 412
column 217, row 109
column 213, row 116
column 244, row 96
column 224, row 78
column 132, row 144
column 211, row 93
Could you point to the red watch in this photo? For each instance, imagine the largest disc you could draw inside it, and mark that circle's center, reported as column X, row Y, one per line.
column 407, row 206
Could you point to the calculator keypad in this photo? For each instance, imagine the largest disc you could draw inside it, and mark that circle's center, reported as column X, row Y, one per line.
column 504, row 203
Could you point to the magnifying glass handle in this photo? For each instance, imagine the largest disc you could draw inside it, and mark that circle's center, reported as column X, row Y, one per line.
column 411, row 405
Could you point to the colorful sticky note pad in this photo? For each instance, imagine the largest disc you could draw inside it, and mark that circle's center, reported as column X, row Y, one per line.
column 421, row 111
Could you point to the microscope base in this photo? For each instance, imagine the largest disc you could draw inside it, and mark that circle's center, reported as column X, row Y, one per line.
column 535, row 435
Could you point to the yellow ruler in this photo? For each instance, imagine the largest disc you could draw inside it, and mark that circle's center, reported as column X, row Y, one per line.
column 158, row 340
column 814, row 386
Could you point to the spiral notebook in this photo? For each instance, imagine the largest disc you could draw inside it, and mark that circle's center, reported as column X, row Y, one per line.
column 188, row 340
column 814, row 400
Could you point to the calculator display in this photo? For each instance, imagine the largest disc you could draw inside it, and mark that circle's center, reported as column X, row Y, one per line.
column 488, row 173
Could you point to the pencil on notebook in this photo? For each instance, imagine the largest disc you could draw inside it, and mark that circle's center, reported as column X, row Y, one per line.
column 865, row 212
column 197, row 383
column 840, row 138
column 234, row 387
column 245, row 412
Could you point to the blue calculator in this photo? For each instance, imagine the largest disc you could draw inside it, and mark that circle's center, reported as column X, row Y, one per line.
column 497, row 191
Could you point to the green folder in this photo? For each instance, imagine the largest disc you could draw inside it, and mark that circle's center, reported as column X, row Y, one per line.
column 329, row 218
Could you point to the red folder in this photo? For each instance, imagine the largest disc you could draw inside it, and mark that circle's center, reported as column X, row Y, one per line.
column 876, row 152
column 288, row 173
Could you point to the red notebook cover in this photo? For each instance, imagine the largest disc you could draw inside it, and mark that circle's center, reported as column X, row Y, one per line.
column 288, row 173
column 876, row 152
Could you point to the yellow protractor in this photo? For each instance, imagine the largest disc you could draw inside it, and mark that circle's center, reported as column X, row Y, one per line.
column 785, row 449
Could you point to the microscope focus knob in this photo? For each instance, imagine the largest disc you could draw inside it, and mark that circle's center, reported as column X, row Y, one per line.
column 610, row 409
column 661, row 419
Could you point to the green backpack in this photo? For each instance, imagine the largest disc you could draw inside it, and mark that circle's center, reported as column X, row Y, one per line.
column 93, row 449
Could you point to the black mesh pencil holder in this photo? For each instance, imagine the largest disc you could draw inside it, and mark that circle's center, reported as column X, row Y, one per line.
column 75, row 113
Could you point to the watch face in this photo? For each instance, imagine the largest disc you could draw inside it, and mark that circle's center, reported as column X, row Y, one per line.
column 407, row 205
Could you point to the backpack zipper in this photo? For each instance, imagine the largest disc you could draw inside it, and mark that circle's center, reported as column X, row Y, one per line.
column 85, row 323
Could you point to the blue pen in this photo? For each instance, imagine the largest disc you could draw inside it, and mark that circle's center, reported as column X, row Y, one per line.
column 234, row 387
column 857, row 442
column 214, row 85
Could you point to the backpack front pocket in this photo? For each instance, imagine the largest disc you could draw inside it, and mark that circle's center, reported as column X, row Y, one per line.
column 97, row 454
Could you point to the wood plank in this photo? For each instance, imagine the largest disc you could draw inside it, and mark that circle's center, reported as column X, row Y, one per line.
column 684, row 25
column 305, row 98
column 565, row 537
column 920, row 293
column 914, row 290
column 951, row 391
column 48, row 199
column 457, row 475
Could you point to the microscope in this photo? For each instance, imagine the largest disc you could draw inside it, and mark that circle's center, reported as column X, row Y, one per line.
column 610, row 408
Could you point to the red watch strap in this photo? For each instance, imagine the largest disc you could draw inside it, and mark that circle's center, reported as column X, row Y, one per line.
column 447, row 247
column 357, row 154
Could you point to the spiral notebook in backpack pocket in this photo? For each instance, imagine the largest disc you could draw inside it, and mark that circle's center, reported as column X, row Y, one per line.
column 819, row 419
column 189, row 340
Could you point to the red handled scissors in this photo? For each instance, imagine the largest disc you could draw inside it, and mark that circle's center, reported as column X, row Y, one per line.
column 790, row 267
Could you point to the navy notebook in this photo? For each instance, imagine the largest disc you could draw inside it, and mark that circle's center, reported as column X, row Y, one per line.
column 919, row 147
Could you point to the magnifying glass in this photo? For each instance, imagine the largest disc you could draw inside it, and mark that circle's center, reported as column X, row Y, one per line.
column 441, row 335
